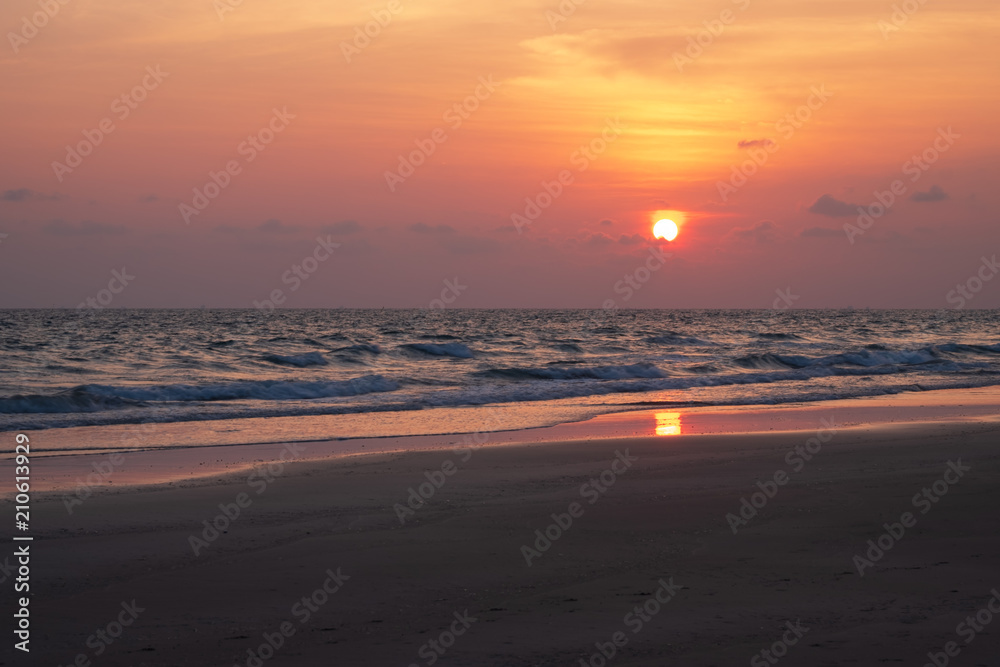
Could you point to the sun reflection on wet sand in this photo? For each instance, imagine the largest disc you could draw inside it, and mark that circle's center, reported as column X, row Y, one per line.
column 668, row 423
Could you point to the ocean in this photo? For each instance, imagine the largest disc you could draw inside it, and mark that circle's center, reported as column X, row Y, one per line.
column 91, row 378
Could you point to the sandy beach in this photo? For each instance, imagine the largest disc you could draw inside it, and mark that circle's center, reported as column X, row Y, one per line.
column 506, row 334
column 702, row 549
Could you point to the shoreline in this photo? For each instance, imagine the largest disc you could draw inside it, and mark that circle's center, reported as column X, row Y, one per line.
column 112, row 470
column 663, row 517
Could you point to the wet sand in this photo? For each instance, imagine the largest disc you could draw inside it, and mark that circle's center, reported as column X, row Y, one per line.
column 138, row 461
column 641, row 517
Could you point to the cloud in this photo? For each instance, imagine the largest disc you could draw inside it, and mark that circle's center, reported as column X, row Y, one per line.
column 833, row 208
column 643, row 48
column 764, row 231
column 631, row 240
column 753, row 143
column 342, row 227
column 423, row 228
column 24, row 194
column 85, row 228
column 148, row 199
column 470, row 245
column 273, row 226
column 607, row 223
column 820, row 232
column 599, row 239
column 934, row 194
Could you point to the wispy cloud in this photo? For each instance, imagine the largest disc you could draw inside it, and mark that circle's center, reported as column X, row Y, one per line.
column 274, row 226
column 25, row 194
column 934, row 194
column 764, row 231
column 342, row 227
column 424, row 228
column 833, row 208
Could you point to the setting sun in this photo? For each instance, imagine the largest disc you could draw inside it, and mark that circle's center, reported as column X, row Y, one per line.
column 665, row 229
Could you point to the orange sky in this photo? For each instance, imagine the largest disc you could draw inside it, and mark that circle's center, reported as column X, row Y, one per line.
column 890, row 86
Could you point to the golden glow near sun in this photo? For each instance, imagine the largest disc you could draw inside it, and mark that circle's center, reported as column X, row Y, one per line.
column 665, row 229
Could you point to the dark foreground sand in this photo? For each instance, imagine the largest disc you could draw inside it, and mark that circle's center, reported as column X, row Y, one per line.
column 664, row 518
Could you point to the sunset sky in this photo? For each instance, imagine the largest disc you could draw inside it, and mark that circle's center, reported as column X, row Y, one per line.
column 620, row 99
